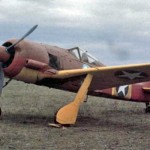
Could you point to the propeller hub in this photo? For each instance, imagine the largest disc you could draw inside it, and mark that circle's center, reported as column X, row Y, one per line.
column 4, row 56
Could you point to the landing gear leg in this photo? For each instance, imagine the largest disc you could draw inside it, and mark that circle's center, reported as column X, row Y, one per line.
column 67, row 115
column 147, row 109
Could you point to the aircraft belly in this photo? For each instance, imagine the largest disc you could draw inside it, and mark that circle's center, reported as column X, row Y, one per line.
column 27, row 75
column 72, row 84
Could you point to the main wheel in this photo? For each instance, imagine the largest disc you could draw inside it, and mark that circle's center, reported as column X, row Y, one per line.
column 147, row 109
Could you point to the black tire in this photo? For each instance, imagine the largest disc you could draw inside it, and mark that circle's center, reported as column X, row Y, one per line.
column 147, row 110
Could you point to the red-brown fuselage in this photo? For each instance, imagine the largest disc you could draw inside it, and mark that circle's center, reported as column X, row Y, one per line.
column 30, row 59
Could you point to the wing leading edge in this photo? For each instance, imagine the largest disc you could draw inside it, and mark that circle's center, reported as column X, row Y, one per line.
column 106, row 77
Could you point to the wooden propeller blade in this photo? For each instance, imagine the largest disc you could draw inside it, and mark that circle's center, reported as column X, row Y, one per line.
column 68, row 113
column 8, row 49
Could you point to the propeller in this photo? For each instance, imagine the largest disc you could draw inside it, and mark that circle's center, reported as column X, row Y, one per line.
column 10, row 51
column 1, row 78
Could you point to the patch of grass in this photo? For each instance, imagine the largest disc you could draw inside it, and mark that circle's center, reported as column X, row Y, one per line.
column 102, row 123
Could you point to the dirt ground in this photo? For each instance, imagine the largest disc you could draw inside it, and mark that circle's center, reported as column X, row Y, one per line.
column 103, row 124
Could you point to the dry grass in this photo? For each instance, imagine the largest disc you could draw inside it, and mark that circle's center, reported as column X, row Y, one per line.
column 102, row 124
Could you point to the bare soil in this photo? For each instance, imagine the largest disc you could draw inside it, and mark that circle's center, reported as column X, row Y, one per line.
column 103, row 124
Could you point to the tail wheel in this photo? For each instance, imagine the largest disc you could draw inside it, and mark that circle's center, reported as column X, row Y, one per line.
column 147, row 109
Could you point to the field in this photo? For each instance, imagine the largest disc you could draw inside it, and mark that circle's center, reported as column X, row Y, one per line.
column 103, row 124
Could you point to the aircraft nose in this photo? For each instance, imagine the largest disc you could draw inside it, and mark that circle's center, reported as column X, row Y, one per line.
column 4, row 56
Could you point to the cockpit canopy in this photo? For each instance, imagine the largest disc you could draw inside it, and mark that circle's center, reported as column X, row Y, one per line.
column 84, row 56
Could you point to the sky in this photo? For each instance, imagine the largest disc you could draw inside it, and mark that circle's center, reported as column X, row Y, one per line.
column 117, row 32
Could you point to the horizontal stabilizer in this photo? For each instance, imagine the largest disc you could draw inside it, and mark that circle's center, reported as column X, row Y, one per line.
column 146, row 89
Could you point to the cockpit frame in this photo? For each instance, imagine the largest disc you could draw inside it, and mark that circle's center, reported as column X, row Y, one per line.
column 84, row 56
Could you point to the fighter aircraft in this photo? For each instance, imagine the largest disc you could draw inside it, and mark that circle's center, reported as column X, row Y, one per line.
column 72, row 70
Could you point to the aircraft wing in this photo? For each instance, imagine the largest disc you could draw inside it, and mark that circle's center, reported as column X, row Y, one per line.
column 112, row 76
